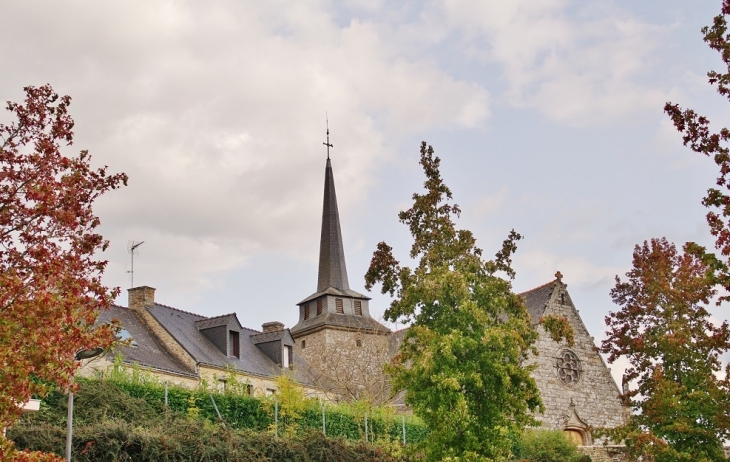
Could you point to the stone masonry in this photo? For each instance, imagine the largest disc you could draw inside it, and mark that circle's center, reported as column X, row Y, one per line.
column 577, row 388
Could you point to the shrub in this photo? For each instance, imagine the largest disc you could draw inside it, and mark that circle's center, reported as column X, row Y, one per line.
column 547, row 446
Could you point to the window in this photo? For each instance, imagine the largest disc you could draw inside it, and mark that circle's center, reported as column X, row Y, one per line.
column 124, row 336
column 234, row 348
column 306, row 311
column 286, row 361
column 358, row 308
column 249, row 389
column 270, row 391
column 319, row 307
column 338, row 306
column 221, row 385
column 358, row 342
column 304, row 344
column 569, row 367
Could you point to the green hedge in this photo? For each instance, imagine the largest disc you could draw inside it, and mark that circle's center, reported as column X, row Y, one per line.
column 126, row 420
column 187, row 440
column 246, row 412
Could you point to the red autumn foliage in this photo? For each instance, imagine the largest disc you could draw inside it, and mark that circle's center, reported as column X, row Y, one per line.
column 50, row 275
column 664, row 330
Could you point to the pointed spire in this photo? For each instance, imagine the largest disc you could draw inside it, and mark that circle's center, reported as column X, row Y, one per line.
column 332, row 270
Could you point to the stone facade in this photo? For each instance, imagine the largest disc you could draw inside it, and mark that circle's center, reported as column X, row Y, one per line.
column 609, row 453
column 577, row 388
column 350, row 361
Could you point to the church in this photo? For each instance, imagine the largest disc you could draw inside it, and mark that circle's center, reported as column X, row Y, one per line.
column 337, row 349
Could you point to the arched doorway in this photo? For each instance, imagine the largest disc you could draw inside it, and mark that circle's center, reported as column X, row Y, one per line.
column 575, row 436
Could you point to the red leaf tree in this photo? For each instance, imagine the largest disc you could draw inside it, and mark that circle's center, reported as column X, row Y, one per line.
column 681, row 407
column 50, row 275
column 675, row 383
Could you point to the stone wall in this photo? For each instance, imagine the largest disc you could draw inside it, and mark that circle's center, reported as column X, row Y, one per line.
column 586, row 396
column 139, row 299
column 350, row 361
column 103, row 365
column 605, row 453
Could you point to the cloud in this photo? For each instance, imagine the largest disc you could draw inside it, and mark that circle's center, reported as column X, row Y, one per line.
column 576, row 64
column 217, row 111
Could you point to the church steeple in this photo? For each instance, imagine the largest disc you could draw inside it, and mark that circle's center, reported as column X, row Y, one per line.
column 334, row 307
column 332, row 269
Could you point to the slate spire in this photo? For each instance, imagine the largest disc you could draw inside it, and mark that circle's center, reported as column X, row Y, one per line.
column 332, row 270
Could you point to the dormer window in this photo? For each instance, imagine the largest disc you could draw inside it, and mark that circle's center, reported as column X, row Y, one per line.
column 234, row 346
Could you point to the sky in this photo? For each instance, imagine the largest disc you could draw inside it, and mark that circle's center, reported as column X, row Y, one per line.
column 547, row 117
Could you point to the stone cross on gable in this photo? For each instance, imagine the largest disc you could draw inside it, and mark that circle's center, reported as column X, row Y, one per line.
column 559, row 276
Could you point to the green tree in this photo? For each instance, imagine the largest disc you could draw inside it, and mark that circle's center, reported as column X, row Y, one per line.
column 291, row 403
column 460, row 362
column 681, row 409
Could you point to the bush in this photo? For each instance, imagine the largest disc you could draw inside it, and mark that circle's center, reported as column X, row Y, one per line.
column 127, row 420
column 547, row 446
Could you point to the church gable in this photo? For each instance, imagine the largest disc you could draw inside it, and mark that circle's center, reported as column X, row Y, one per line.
column 573, row 380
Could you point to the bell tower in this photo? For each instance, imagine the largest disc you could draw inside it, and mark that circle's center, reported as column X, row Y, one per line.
column 335, row 321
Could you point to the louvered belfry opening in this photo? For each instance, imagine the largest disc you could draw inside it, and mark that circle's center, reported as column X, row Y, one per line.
column 338, row 306
column 358, row 308
column 306, row 311
column 319, row 307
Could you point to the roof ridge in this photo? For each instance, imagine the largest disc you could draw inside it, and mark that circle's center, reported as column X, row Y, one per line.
column 219, row 316
column 538, row 287
column 178, row 309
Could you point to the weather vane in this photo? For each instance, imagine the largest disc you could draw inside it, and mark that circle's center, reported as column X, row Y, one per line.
column 328, row 136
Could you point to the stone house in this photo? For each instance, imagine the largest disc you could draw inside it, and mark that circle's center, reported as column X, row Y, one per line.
column 337, row 349
column 188, row 349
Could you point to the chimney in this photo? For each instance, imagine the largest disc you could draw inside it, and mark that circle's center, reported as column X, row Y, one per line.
column 271, row 326
column 140, row 297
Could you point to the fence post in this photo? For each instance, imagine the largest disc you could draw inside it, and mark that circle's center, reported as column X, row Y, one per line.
column 324, row 428
column 165, row 394
column 404, row 429
column 216, row 410
column 276, row 418
column 366, row 426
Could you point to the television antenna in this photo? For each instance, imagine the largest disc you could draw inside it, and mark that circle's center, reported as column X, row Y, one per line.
column 132, row 249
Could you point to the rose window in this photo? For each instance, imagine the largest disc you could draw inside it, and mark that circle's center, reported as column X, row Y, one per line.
column 568, row 367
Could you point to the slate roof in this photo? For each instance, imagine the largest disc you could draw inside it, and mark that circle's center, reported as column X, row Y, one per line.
column 264, row 337
column 149, row 352
column 335, row 292
column 182, row 326
column 363, row 323
column 332, row 269
column 536, row 300
column 217, row 321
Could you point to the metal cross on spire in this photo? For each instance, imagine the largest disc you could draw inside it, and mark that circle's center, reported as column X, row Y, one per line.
column 328, row 137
